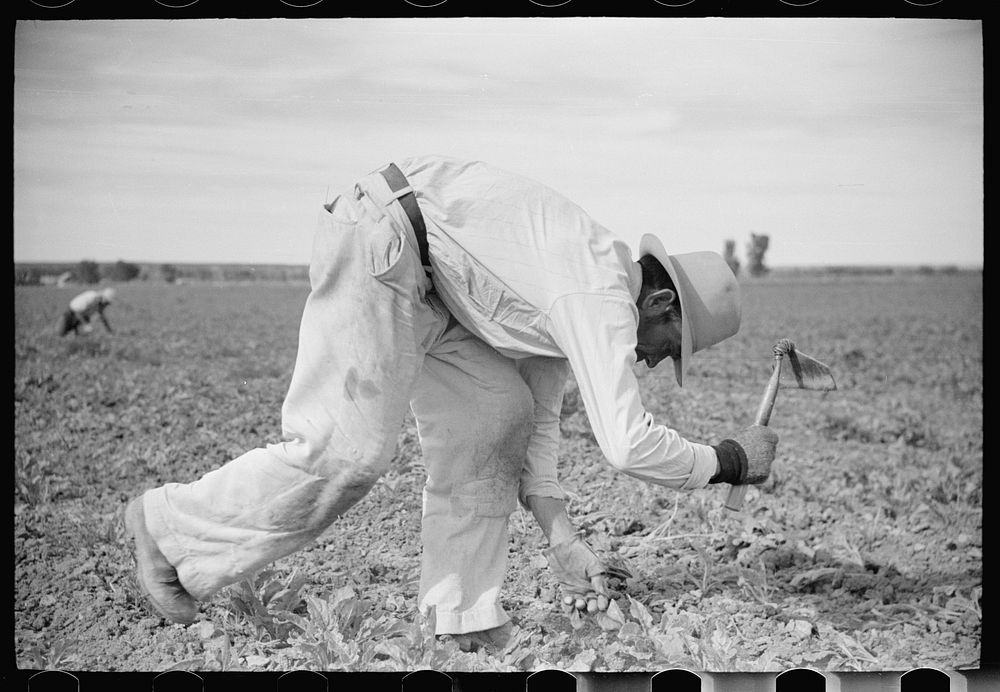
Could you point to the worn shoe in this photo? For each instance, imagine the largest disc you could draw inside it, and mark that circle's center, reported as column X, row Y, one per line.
column 494, row 639
column 156, row 578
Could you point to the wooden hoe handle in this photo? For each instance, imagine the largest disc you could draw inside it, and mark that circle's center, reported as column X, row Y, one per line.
column 734, row 501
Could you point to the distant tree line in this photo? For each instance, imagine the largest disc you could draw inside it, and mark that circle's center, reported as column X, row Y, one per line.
column 756, row 249
column 759, row 243
column 89, row 272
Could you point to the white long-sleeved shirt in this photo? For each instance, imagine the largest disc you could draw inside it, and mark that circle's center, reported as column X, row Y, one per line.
column 87, row 303
column 534, row 276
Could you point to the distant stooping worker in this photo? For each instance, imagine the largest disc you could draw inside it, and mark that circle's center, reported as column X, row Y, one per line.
column 85, row 306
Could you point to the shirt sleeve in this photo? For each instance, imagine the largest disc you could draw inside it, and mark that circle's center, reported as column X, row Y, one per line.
column 546, row 377
column 597, row 332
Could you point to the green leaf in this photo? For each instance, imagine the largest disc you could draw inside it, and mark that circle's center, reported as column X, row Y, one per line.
column 292, row 619
column 186, row 664
column 271, row 589
column 256, row 661
column 241, row 606
column 342, row 594
column 394, row 651
column 631, row 629
column 669, row 644
column 584, row 661
column 615, row 613
column 606, row 622
column 640, row 613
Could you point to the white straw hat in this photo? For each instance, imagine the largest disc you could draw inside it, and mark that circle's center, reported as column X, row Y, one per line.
column 709, row 294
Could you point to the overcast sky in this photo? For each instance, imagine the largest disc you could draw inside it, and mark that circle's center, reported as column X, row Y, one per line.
column 847, row 141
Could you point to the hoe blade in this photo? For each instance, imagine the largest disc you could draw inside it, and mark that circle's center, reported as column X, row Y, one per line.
column 810, row 373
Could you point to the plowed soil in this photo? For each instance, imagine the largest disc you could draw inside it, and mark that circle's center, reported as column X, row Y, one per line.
column 862, row 552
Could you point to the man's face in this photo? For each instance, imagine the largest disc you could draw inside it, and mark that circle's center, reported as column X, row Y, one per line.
column 657, row 341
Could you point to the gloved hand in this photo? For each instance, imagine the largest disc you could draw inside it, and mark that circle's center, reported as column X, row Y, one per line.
column 582, row 574
column 759, row 444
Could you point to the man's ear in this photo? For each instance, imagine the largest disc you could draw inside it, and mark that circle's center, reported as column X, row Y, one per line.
column 657, row 302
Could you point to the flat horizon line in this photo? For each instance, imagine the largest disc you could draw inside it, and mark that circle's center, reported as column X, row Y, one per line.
column 770, row 267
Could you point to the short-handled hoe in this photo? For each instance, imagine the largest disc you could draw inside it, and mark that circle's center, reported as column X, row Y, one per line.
column 809, row 374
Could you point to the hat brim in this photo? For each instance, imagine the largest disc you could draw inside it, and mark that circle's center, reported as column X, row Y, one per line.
column 650, row 244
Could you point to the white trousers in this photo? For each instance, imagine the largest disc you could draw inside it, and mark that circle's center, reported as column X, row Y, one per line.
column 372, row 341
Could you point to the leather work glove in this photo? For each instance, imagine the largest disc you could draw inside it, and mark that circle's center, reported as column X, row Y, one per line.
column 582, row 575
column 758, row 443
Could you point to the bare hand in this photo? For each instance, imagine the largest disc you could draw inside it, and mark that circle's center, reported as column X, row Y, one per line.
column 582, row 575
column 594, row 600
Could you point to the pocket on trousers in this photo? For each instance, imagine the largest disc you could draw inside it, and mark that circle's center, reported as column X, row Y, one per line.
column 486, row 497
column 386, row 245
column 343, row 210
